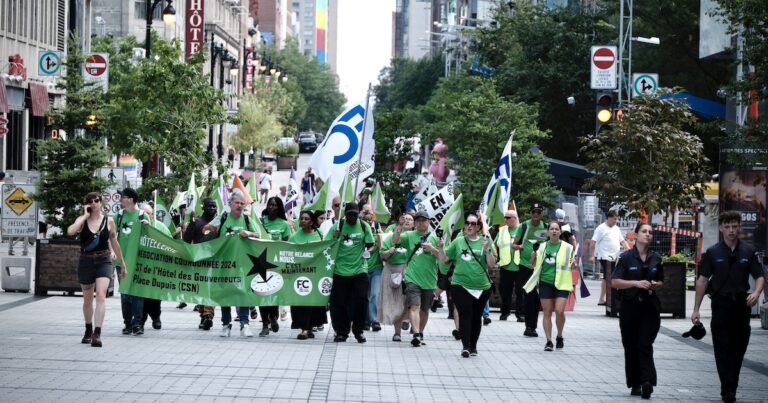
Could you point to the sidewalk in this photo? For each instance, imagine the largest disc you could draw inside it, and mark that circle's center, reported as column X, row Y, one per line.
column 43, row 361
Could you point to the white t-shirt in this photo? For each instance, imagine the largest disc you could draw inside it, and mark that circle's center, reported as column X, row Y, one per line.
column 607, row 242
column 265, row 182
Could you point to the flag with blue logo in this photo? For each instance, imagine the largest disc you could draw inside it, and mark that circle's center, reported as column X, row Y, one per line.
column 502, row 177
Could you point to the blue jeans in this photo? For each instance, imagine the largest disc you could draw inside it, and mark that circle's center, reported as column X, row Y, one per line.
column 131, row 306
column 374, row 278
column 487, row 309
column 242, row 311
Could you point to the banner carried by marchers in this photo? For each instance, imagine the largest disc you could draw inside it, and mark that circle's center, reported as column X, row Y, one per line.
column 229, row 271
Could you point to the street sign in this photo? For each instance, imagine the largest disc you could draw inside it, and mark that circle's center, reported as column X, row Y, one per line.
column 19, row 211
column 644, row 83
column 110, row 198
column 603, row 68
column 96, row 69
column 49, row 63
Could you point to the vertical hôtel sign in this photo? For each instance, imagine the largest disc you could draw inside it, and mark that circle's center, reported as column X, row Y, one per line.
column 194, row 30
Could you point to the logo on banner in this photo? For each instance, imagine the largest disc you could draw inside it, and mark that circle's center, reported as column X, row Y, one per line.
column 302, row 286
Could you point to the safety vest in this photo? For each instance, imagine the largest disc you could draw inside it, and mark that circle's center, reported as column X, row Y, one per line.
column 504, row 243
column 563, row 277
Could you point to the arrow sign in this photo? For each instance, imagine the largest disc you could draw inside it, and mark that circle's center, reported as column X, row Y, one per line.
column 49, row 63
column 644, row 83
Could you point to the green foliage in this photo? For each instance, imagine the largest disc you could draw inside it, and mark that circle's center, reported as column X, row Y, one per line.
column 475, row 122
column 648, row 161
column 286, row 150
column 393, row 145
column 66, row 175
column 264, row 116
column 407, row 82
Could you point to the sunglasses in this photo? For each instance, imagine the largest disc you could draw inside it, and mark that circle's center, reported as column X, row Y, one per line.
column 94, row 201
column 337, row 205
column 471, row 223
column 509, row 217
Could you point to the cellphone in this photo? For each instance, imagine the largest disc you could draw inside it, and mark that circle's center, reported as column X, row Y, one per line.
column 439, row 232
column 88, row 209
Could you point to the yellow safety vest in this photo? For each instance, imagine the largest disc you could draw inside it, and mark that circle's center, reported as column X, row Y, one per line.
column 563, row 277
column 504, row 243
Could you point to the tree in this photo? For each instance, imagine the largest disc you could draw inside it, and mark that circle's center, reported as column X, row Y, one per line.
column 261, row 118
column 407, row 82
column 393, row 147
column 647, row 162
column 475, row 122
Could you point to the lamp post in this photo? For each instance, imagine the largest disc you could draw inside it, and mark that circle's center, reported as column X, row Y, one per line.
column 169, row 17
column 226, row 62
column 216, row 50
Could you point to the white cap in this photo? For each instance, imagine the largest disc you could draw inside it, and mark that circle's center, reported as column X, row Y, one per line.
column 560, row 214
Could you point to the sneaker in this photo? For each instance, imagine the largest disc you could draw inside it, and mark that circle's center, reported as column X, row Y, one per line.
column 548, row 346
column 530, row 332
column 396, row 338
column 302, row 336
column 137, row 330
column 367, row 328
column 156, row 324
column 465, row 353
column 435, row 304
column 283, row 315
column 646, row 390
column 275, row 326
column 520, row 319
column 473, row 352
column 310, row 335
column 415, row 341
column 339, row 338
column 421, row 339
column 197, row 308
column 360, row 338
column 503, row 317
column 202, row 321
column 635, row 391
column 558, row 343
column 181, row 305
column 320, row 328
column 264, row 331
column 456, row 334
column 207, row 323
column 375, row 326
column 225, row 330
column 245, row 331
column 405, row 326
column 486, row 321
column 127, row 330
column 254, row 313
column 96, row 340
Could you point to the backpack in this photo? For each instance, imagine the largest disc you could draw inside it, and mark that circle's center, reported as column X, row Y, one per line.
column 224, row 219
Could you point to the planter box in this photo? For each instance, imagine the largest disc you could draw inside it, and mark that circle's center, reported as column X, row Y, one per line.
column 56, row 267
column 286, row 163
column 671, row 296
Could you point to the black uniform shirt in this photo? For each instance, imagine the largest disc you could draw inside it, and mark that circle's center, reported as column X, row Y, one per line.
column 631, row 267
column 728, row 270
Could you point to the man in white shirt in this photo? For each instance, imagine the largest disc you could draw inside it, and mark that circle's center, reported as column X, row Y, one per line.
column 604, row 247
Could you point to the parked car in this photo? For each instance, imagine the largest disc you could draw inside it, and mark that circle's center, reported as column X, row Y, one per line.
column 307, row 143
column 285, row 141
column 319, row 137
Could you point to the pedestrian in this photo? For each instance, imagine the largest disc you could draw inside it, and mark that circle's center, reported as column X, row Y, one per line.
column 529, row 233
column 276, row 224
column 724, row 276
column 97, row 234
column 638, row 274
column 198, row 231
column 391, row 297
column 470, row 284
column 375, row 267
column 235, row 223
column 349, row 294
column 265, row 184
column 552, row 274
column 509, row 259
column 605, row 246
column 152, row 307
column 307, row 317
column 128, row 226
column 307, row 186
column 420, row 273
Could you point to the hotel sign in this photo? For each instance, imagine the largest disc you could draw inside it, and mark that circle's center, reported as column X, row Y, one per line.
column 194, row 31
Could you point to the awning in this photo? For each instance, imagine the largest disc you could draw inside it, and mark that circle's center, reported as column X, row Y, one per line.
column 38, row 93
column 3, row 97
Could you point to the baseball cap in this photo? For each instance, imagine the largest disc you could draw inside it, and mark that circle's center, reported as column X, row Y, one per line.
column 697, row 332
column 351, row 208
column 130, row 193
column 537, row 206
column 421, row 214
column 560, row 214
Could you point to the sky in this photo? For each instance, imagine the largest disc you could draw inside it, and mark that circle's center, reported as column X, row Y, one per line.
column 364, row 44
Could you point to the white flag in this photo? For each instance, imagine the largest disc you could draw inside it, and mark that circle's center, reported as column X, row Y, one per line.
column 502, row 173
column 338, row 155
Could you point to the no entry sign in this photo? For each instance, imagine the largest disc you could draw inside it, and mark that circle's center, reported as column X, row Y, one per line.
column 96, row 69
column 603, row 68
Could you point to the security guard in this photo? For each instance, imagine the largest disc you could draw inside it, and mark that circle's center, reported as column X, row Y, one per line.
column 724, row 276
column 638, row 274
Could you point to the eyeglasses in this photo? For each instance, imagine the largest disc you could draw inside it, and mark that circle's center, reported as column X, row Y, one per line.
column 471, row 223
column 509, row 217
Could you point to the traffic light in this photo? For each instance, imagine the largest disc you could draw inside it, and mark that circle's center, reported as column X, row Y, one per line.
column 603, row 110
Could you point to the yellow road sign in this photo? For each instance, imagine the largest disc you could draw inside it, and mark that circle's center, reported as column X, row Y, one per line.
column 18, row 201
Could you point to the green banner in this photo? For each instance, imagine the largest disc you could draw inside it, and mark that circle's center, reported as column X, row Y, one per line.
column 229, row 271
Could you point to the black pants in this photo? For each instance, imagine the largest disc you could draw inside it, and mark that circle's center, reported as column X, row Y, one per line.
column 530, row 300
column 349, row 303
column 470, row 315
column 730, row 337
column 509, row 282
column 268, row 314
column 151, row 309
column 639, row 322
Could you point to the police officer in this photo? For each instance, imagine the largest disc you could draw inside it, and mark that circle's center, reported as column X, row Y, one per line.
column 724, row 276
column 638, row 274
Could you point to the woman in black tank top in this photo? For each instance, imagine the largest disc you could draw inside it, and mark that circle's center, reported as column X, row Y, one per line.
column 94, row 271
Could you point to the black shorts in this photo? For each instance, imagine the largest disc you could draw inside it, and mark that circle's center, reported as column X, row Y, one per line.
column 548, row 291
column 90, row 268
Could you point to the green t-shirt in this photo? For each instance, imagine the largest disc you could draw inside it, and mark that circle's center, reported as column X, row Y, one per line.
column 391, row 228
column 232, row 226
column 278, row 228
column 511, row 266
column 400, row 255
column 548, row 265
column 537, row 232
column 301, row 237
column 467, row 272
column 422, row 269
column 128, row 226
column 374, row 262
column 349, row 249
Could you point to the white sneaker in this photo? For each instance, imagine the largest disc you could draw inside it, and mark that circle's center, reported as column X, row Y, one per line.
column 225, row 329
column 245, row 331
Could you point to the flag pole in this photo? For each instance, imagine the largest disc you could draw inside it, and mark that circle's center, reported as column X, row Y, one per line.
column 362, row 141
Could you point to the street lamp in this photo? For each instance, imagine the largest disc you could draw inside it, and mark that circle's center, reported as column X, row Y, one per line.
column 169, row 17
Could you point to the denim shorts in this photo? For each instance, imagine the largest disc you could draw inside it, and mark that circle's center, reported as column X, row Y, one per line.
column 548, row 291
column 90, row 268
